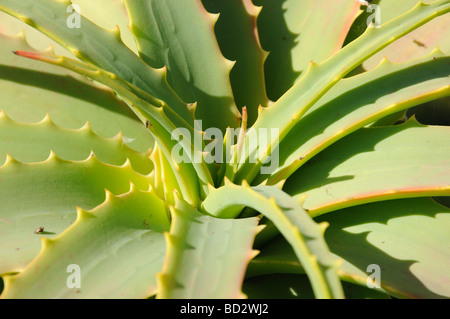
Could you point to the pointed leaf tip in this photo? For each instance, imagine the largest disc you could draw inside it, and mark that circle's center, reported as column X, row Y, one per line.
column 27, row 54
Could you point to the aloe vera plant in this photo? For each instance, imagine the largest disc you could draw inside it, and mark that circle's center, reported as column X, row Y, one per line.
column 114, row 182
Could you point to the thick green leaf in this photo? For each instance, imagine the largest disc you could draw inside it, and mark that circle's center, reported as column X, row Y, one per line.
column 10, row 26
column 305, row 236
column 414, row 45
column 289, row 109
column 372, row 164
column 95, row 45
column 33, row 142
column 118, row 248
column 206, row 256
column 407, row 238
column 165, row 182
column 357, row 101
column 30, row 90
column 188, row 172
column 298, row 32
column 115, row 16
column 237, row 35
column 180, row 36
column 46, row 194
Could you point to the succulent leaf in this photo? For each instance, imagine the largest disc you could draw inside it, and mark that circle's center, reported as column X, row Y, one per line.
column 46, row 194
column 289, row 109
column 180, row 36
column 155, row 120
column 32, row 142
column 115, row 16
column 104, row 168
column 401, row 161
column 303, row 234
column 357, row 101
column 68, row 98
column 118, row 247
column 91, row 43
column 206, row 256
column 404, row 237
column 298, row 32
column 238, row 38
column 416, row 44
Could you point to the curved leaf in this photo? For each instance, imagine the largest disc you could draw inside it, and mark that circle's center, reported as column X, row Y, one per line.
column 407, row 238
column 68, row 98
column 416, row 44
column 290, row 108
column 357, row 101
column 188, row 172
column 237, row 34
column 372, row 164
column 95, row 45
column 206, row 256
column 11, row 27
column 29, row 143
column 117, row 246
column 298, row 32
column 115, row 16
column 46, row 194
column 180, row 36
column 305, row 236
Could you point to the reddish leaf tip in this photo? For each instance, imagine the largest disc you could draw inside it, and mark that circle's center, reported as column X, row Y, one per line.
column 25, row 54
